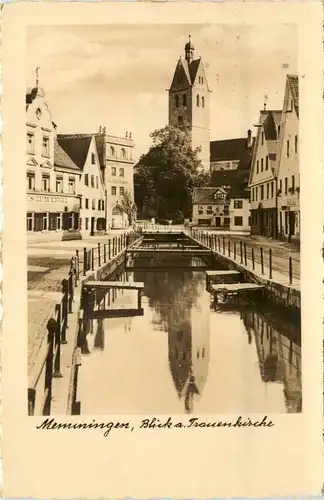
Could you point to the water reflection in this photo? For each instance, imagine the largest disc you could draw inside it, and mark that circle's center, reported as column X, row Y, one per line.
column 184, row 356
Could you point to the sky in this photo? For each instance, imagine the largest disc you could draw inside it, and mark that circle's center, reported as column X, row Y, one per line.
column 117, row 75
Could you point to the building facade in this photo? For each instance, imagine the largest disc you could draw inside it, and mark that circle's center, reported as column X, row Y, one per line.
column 239, row 209
column 189, row 108
column 119, row 177
column 287, row 167
column 227, row 154
column 210, row 207
column 53, row 201
column 82, row 150
column 262, row 181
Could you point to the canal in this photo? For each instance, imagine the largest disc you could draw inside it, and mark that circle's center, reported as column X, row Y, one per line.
column 184, row 354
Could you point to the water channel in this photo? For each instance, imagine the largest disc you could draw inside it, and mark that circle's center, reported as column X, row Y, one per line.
column 184, row 355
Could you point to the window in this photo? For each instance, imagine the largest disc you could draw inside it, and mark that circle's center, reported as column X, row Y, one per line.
column 45, row 182
column 59, row 184
column 31, row 181
column 267, row 162
column 92, row 181
column 121, row 190
column 292, row 184
column 262, row 193
column 93, row 205
column 93, row 158
column 252, row 193
column 112, row 151
column 268, row 190
column 113, row 171
column 262, row 138
column 249, row 221
column 238, row 204
column 113, row 190
column 200, row 210
column 29, row 221
column 280, row 185
column 99, row 204
column 180, row 120
column 257, row 166
column 287, row 149
column 286, row 185
column 121, row 172
column 238, row 221
column 256, row 194
column 197, row 100
column 87, row 203
column 81, row 202
column 97, row 182
column 30, row 143
column 102, row 205
column 87, row 223
column 71, row 185
column 184, row 100
column 209, row 209
column 202, row 80
column 272, row 189
column 177, row 100
column 45, row 149
column 278, row 131
column 296, row 144
column 123, row 152
column 203, row 101
column 261, row 164
column 86, row 179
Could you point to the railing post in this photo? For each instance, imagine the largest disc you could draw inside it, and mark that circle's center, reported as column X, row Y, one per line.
column 229, row 248
column 57, row 357
column 270, row 263
column 71, row 291
column 77, row 267
column 234, row 250
column 219, row 244
column 85, row 261
column 262, row 263
column 51, row 328
column 99, row 256
column 92, row 259
column 245, row 256
column 139, row 299
column 65, row 309
column 224, row 245
column 105, row 253
column 241, row 251
column 109, row 249
column 290, row 271
column 253, row 263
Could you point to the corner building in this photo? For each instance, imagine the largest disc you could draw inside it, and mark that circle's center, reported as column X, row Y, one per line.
column 189, row 108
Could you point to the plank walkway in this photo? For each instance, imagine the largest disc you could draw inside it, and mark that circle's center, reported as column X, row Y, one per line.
column 194, row 251
column 236, row 288
column 223, row 273
column 115, row 284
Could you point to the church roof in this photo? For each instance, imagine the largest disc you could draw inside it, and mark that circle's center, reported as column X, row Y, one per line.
column 76, row 146
column 193, row 68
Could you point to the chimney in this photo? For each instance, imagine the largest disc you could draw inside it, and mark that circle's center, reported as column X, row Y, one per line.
column 249, row 138
column 126, row 134
column 104, row 130
column 100, row 129
column 130, row 135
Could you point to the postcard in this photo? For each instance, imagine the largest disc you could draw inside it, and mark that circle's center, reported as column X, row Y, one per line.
column 162, row 235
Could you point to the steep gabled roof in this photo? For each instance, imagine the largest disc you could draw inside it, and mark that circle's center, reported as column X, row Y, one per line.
column 76, row 146
column 293, row 83
column 193, row 68
column 61, row 158
column 101, row 148
column 206, row 195
column 238, row 191
column 190, row 71
column 227, row 150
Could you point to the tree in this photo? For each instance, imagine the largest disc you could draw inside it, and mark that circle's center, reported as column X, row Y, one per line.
column 128, row 206
column 166, row 175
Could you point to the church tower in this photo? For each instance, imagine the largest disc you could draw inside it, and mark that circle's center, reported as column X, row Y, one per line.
column 189, row 102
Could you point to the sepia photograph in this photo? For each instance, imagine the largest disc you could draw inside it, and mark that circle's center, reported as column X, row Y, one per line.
column 162, row 249
column 163, row 219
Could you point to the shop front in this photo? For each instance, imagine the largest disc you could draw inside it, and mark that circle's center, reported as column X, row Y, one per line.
column 52, row 212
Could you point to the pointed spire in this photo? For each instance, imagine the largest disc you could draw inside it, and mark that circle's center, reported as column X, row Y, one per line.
column 189, row 50
column 265, row 102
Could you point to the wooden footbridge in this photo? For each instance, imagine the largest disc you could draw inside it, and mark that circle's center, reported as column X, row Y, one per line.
column 229, row 283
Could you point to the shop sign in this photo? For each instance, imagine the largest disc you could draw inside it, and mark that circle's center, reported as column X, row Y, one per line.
column 47, row 199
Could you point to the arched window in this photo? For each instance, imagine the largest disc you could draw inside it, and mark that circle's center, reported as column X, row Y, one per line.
column 123, row 152
column 180, row 120
column 197, row 100
column 112, row 151
column 203, row 101
column 184, row 100
column 177, row 100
